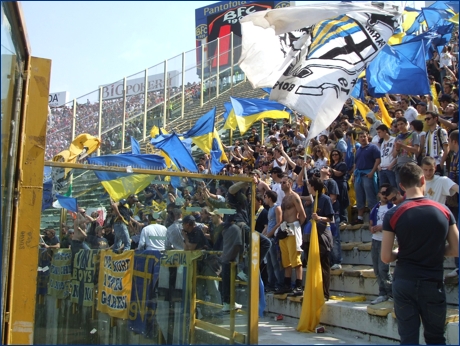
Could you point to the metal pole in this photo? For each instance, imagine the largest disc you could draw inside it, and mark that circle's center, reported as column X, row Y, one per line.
column 232, row 302
column 123, row 121
column 262, row 129
column 146, row 87
column 231, row 60
column 253, row 310
column 74, row 119
column 230, row 137
column 165, row 93
column 193, row 304
column 99, row 133
column 217, row 70
column 182, row 111
column 202, row 75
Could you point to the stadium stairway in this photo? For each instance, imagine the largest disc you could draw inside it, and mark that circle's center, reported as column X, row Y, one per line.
column 371, row 323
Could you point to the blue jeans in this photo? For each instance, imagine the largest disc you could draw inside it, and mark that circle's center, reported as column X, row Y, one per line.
column 381, row 270
column 336, row 253
column 387, row 176
column 274, row 270
column 415, row 299
column 121, row 237
column 365, row 191
column 265, row 246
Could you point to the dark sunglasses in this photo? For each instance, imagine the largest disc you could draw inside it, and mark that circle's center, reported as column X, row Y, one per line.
column 426, row 119
column 335, row 154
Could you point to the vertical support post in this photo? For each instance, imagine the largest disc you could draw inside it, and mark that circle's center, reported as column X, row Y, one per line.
column 146, row 84
column 231, row 60
column 253, row 310
column 202, row 76
column 262, row 129
column 217, row 69
column 99, row 131
column 21, row 289
column 165, row 93
column 182, row 111
column 232, row 302
column 123, row 120
column 74, row 118
column 230, row 137
column 193, row 304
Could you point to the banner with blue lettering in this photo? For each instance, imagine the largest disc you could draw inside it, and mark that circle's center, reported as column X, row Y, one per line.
column 44, row 263
column 84, row 278
column 143, row 305
column 115, row 283
column 60, row 274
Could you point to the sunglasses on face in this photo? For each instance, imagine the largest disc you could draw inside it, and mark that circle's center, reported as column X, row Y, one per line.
column 427, row 119
column 335, row 154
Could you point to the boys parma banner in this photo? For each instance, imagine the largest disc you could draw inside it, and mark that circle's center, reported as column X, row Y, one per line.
column 85, row 264
column 115, row 283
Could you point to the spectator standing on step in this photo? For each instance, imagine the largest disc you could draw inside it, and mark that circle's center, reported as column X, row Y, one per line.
column 426, row 233
column 452, row 173
column 381, row 270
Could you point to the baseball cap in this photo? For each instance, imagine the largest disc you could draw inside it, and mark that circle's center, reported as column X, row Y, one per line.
column 256, row 171
column 214, row 213
column 276, row 170
column 188, row 219
column 421, row 104
column 136, row 199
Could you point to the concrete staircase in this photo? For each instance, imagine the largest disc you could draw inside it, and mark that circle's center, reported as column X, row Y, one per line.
column 356, row 278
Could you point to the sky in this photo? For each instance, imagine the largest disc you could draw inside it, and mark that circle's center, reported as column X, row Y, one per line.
column 92, row 43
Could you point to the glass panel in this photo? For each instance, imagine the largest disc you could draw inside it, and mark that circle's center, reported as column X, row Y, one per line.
column 87, row 115
column 158, row 291
column 155, row 95
column 112, row 105
column 174, row 83
column 59, row 130
column 134, row 108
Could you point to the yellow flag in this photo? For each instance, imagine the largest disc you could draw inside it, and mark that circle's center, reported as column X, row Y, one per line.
column 434, row 94
column 386, row 119
column 313, row 295
column 363, row 109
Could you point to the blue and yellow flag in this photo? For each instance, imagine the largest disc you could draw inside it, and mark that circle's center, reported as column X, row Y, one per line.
column 121, row 185
column 203, row 132
column 248, row 111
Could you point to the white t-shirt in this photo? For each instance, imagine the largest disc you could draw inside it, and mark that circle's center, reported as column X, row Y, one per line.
column 154, row 237
column 380, row 215
column 277, row 188
column 386, row 152
column 445, row 60
column 410, row 114
column 320, row 163
column 438, row 188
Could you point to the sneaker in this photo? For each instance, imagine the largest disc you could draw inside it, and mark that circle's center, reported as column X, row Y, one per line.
column 242, row 276
column 452, row 274
column 296, row 292
column 380, row 299
column 283, row 290
column 336, row 266
column 226, row 307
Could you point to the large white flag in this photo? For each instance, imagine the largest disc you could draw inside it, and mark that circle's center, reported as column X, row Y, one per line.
column 311, row 61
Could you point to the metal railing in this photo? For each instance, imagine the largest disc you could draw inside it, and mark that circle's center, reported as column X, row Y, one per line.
column 160, row 95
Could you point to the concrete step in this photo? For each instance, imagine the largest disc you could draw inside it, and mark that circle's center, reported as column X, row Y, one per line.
column 361, row 280
column 359, row 253
column 355, row 318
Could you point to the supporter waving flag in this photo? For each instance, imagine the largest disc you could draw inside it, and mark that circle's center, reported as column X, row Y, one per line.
column 312, row 55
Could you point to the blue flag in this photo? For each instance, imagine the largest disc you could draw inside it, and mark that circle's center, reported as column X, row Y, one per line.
column 216, row 153
column 399, row 69
column 176, row 150
column 68, row 203
column 135, row 147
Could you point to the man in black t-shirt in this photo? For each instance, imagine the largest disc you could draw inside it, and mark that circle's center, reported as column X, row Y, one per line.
column 124, row 217
column 253, row 139
column 194, row 238
column 422, row 226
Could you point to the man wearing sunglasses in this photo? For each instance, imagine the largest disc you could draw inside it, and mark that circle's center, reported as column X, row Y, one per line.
column 436, row 143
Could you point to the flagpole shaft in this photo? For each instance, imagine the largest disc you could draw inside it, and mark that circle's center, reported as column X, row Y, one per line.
column 165, row 93
column 146, row 84
column 123, row 121
column 100, row 121
column 146, row 171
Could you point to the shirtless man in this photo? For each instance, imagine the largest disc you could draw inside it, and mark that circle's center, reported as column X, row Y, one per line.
column 293, row 217
column 261, row 187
